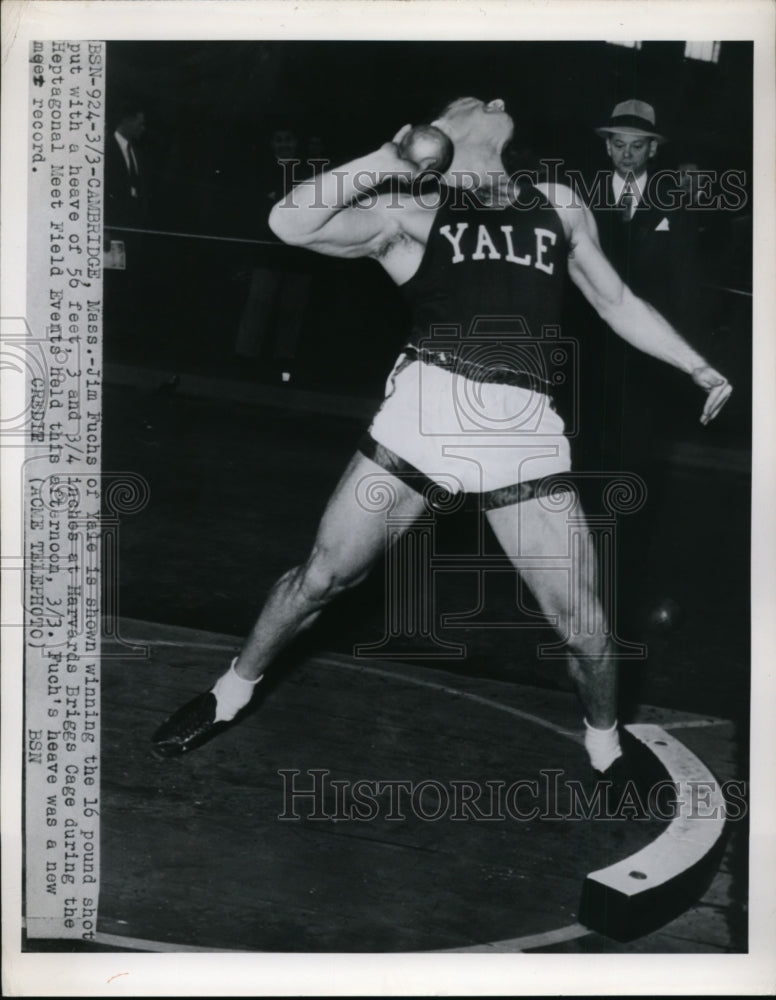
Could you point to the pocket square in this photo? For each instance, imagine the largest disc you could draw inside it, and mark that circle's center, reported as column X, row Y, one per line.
column 662, row 226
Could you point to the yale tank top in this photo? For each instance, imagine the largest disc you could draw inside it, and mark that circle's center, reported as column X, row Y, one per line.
column 489, row 288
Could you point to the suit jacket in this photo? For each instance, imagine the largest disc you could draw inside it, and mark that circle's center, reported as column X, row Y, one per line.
column 628, row 397
column 656, row 255
column 121, row 208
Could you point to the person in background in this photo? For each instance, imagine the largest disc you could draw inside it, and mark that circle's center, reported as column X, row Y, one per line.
column 272, row 318
column 126, row 207
column 125, row 179
column 649, row 235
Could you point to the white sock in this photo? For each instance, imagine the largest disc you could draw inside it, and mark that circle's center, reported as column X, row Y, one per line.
column 602, row 745
column 232, row 693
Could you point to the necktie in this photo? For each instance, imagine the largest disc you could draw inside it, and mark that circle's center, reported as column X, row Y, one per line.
column 627, row 203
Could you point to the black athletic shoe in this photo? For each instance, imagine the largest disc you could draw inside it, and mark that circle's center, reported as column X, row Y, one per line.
column 636, row 785
column 188, row 728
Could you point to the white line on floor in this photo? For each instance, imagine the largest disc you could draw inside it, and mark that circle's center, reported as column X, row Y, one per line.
column 543, row 940
column 490, row 702
column 142, row 944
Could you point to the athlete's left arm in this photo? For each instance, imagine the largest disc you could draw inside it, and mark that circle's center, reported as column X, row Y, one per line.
column 629, row 316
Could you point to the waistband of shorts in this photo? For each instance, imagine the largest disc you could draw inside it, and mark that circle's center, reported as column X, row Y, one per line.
column 495, row 374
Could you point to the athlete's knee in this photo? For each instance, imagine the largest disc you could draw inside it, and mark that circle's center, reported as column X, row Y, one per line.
column 588, row 647
column 325, row 576
column 590, row 642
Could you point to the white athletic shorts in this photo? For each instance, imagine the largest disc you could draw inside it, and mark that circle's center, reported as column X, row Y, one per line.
column 466, row 435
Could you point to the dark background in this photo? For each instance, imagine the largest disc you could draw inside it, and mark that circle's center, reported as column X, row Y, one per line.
column 211, row 105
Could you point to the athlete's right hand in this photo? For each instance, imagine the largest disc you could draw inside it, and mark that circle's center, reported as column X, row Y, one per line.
column 396, row 164
column 717, row 387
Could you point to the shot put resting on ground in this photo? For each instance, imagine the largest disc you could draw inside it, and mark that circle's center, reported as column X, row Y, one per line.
column 500, row 250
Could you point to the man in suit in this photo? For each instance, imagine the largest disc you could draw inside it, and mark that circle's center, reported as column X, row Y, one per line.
column 649, row 237
column 272, row 319
column 643, row 227
column 126, row 207
column 126, row 189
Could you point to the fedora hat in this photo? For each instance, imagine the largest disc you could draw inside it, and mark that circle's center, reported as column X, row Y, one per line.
column 631, row 118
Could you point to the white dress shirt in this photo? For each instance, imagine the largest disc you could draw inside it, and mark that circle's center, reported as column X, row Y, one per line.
column 129, row 158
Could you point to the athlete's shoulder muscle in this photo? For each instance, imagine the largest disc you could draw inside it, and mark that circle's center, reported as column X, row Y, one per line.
column 575, row 216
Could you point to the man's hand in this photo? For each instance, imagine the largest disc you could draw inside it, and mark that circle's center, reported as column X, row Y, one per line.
column 393, row 162
column 718, row 388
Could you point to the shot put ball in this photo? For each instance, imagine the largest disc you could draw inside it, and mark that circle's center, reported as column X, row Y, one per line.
column 427, row 147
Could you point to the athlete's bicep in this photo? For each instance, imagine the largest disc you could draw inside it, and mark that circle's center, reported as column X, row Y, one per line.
column 356, row 231
column 589, row 269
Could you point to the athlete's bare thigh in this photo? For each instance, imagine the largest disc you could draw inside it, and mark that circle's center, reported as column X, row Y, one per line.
column 353, row 530
column 553, row 551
